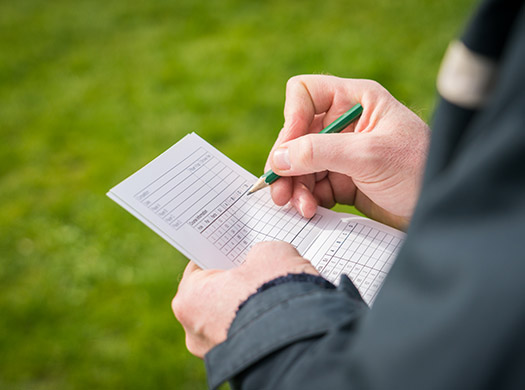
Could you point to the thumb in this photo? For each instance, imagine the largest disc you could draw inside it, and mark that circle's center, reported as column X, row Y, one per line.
column 346, row 153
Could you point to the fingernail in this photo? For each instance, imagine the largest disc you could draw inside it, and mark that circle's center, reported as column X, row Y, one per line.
column 281, row 159
column 301, row 208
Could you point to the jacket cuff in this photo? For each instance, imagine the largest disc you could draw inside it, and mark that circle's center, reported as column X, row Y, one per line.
column 278, row 316
column 303, row 277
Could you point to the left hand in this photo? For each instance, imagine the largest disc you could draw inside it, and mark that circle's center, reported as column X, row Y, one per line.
column 207, row 300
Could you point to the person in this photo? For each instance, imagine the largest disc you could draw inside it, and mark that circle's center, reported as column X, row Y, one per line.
column 451, row 312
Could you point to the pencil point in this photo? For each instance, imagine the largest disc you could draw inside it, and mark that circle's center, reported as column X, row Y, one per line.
column 259, row 184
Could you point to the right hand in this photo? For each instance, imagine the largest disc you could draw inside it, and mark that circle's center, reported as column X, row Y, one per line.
column 376, row 164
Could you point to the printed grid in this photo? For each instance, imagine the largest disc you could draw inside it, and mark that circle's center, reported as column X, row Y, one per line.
column 188, row 186
column 364, row 254
column 237, row 228
column 183, row 194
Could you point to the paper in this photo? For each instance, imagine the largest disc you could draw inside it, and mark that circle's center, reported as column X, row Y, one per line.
column 195, row 198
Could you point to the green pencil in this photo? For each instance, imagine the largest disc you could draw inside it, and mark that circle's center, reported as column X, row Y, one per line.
column 335, row 127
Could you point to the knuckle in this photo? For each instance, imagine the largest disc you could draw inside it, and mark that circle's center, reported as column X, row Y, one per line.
column 370, row 85
column 367, row 144
column 191, row 345
column 294, row 123
column 371, row 148
column 375, row 90
column 178, row 307
column 373, row 84
column 293, row 81
column 378, row 153
column 305, row 155
column 270, row 250
column 265, row 252
column 258, row 249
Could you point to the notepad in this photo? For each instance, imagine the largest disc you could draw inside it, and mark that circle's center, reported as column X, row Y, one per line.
column 195, row 198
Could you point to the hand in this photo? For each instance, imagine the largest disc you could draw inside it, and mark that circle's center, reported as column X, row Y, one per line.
column 376, row 164
column 207, row 300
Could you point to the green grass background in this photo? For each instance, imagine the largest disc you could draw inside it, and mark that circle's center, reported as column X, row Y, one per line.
column 90, row 91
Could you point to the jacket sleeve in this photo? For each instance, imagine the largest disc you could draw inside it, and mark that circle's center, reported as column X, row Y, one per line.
column 275, row 327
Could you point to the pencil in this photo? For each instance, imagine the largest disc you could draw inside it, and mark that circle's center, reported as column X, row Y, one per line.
column 335, row 127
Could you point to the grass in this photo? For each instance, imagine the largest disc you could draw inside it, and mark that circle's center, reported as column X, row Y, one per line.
column 90, row 91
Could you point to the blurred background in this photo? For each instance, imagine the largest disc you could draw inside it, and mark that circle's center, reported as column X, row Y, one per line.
column 90, row 91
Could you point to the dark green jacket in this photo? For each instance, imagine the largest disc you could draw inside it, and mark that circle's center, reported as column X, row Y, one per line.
column 451, row 314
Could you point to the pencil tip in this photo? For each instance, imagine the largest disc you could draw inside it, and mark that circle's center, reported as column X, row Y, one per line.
column 258, row 185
